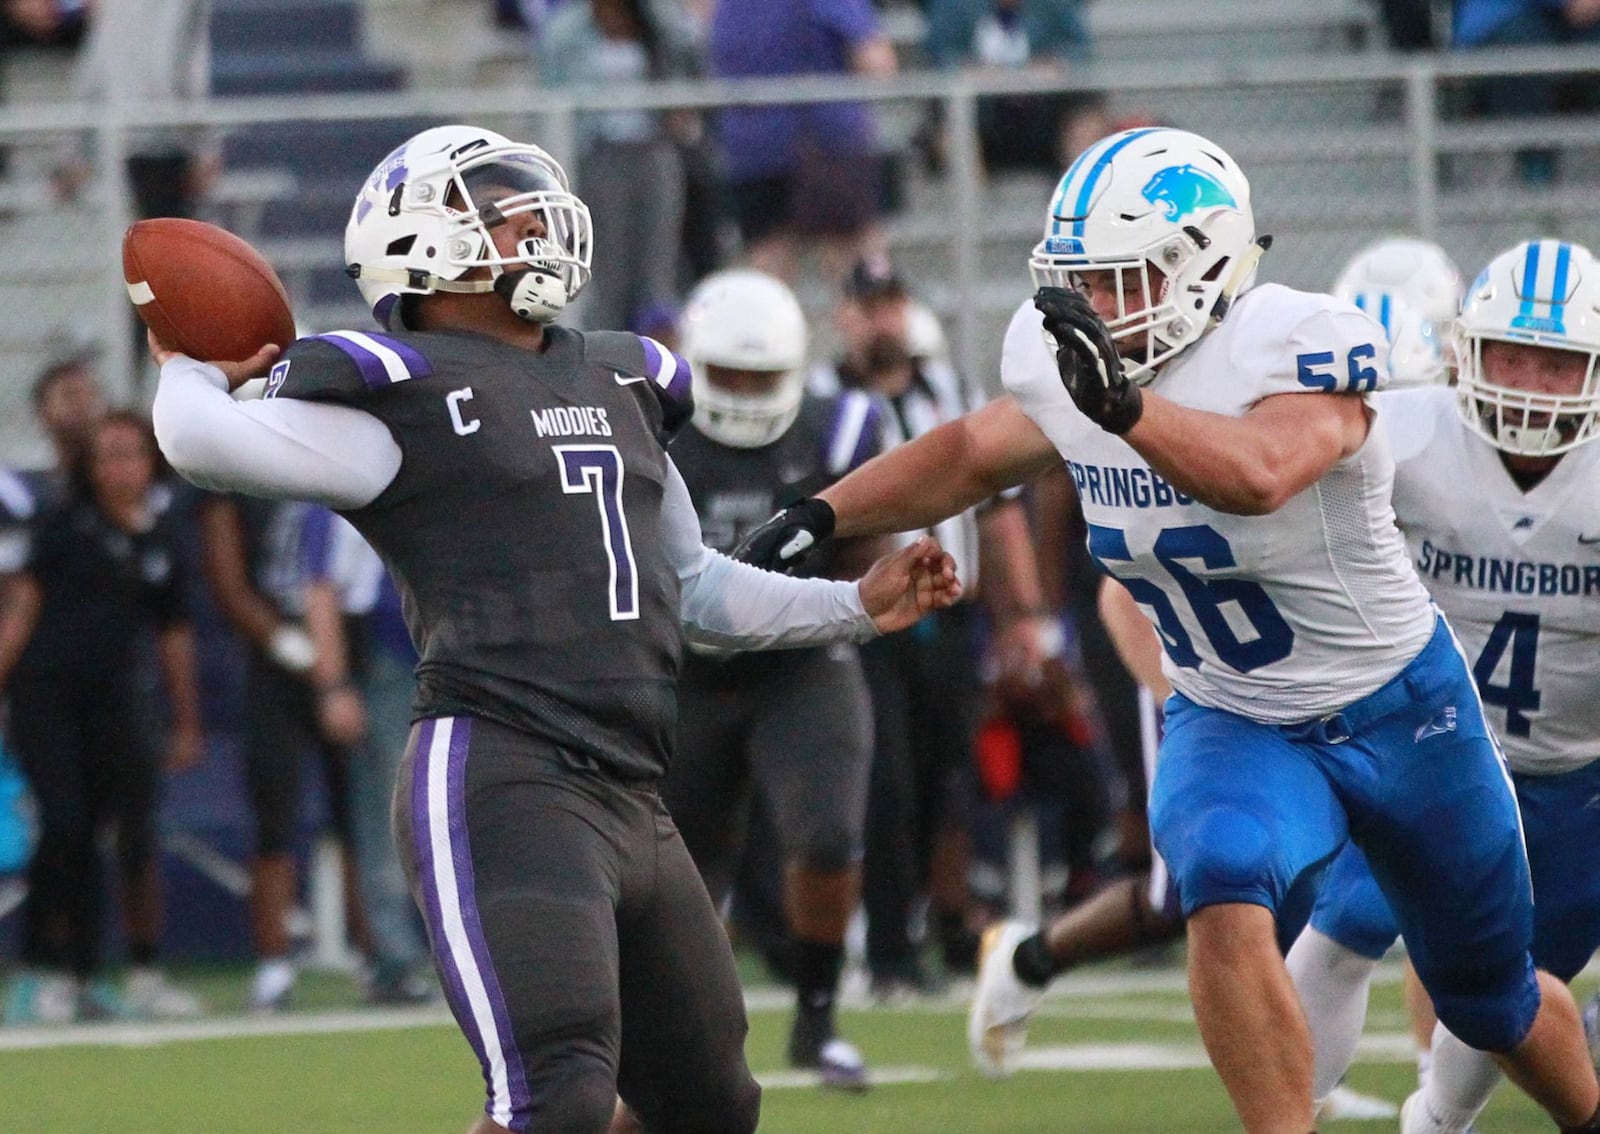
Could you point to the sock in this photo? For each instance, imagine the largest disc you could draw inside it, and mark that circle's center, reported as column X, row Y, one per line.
column 1462, row 1079
column 1332, row 982
column 816, row 976
column 142, row 954
column 1032, row 961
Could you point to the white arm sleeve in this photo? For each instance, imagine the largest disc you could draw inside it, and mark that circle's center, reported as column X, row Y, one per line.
column 736, row 606
column 329, row 454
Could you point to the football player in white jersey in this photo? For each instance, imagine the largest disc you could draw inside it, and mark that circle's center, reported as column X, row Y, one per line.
column 1513, row 564
column 1236, row 481
column 1419, row 271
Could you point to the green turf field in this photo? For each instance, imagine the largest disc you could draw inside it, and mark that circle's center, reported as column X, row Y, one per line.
column 407, row 1071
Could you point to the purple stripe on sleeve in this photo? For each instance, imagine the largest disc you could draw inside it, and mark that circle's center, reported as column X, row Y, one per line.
column 461, row 852
column 373, row 373
column 667, row 370
column 416, row 362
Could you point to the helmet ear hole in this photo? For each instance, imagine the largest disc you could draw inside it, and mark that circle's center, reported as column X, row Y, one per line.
column 401, row 246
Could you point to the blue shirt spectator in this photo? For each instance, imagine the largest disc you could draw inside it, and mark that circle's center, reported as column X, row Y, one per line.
column 1004, row 33
column 767, row 38
column 809, row 170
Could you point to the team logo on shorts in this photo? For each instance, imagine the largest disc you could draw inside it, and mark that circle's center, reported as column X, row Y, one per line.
column 1443, row 723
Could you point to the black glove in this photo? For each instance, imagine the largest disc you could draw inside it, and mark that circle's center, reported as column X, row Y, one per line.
column 785, row 541
column 1087, row 360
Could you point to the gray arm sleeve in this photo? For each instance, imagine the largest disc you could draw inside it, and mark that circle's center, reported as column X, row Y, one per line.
column 736, row 606
column 298, row 450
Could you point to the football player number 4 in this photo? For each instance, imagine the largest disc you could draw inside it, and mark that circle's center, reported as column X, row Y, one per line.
column 1237, row 617
column 1512, row 648
column 597, row 470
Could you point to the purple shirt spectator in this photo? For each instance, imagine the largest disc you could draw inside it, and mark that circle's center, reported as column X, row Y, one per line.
column 766, row 38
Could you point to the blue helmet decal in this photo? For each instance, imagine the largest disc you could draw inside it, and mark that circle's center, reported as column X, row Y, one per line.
column 1182, row 190
column 1063, row 246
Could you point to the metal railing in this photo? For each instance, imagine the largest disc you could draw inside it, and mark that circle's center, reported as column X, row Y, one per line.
column 1420, row 134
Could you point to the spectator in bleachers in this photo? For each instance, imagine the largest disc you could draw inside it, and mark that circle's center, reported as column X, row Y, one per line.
column 253, row 561
column 1408, row 24
column 1481, row 24
column 630, row 170
column 102, row 578
column 54, row 24
column 801, row 172
column 926, row 691
column 1015, row 131
column 67, row 403
column 145, row 51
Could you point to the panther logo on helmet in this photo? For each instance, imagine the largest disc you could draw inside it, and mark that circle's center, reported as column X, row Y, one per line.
column 1166, row 211
column 1182, row 190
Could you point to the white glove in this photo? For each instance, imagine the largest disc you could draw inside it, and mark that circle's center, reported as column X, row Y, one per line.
column 292, row 648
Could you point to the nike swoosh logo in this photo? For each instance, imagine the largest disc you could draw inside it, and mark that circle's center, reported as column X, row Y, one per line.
column 621, row 381
column 1589, row 540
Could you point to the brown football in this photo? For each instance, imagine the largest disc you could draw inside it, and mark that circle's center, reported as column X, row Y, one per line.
column 203, row 291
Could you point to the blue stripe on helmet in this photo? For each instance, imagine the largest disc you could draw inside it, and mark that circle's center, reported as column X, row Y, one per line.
column 1095, row 158
column 1558, row 290
column 1530, row 279
column 1385, row 305
column 1093, row 177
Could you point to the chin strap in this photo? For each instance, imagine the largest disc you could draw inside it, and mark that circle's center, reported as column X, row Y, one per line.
column 1242, row 271
column 535, row 296
column 419, row 281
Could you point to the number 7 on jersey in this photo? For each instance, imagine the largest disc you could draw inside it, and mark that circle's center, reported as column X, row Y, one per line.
column 598, row 469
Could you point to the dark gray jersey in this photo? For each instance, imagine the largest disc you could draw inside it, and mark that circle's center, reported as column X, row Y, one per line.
column 524, row 526
column 734, row 490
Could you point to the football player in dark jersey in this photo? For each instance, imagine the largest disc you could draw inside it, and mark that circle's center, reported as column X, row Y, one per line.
column 514, row 476
column 794, row 730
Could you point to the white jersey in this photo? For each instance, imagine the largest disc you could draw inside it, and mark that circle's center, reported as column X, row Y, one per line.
column 1516, row 573
column 1279, row 618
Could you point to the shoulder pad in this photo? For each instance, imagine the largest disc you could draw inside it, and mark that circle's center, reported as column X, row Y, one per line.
column 855, row 432
column 639, row 356
column 1297, row 342
column 345, row 366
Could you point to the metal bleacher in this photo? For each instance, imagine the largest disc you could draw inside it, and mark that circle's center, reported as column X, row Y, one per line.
column 1342, row 140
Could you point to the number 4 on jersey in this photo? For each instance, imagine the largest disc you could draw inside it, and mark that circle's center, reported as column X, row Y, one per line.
column 1519, row 632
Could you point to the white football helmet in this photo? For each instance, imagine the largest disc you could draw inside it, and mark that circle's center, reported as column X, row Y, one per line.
column 1416, row 348
column 421, row 223
column 1168, row 205
column 742, row 319
column 1418, row 270
column 1543, row 293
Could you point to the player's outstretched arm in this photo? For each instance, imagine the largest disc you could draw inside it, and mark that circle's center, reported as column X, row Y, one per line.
column 940, row 474
column 1250, row 465
column 299, row 450
column 900, row 588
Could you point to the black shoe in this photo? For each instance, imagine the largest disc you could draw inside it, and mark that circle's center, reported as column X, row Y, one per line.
column 814, row 1046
